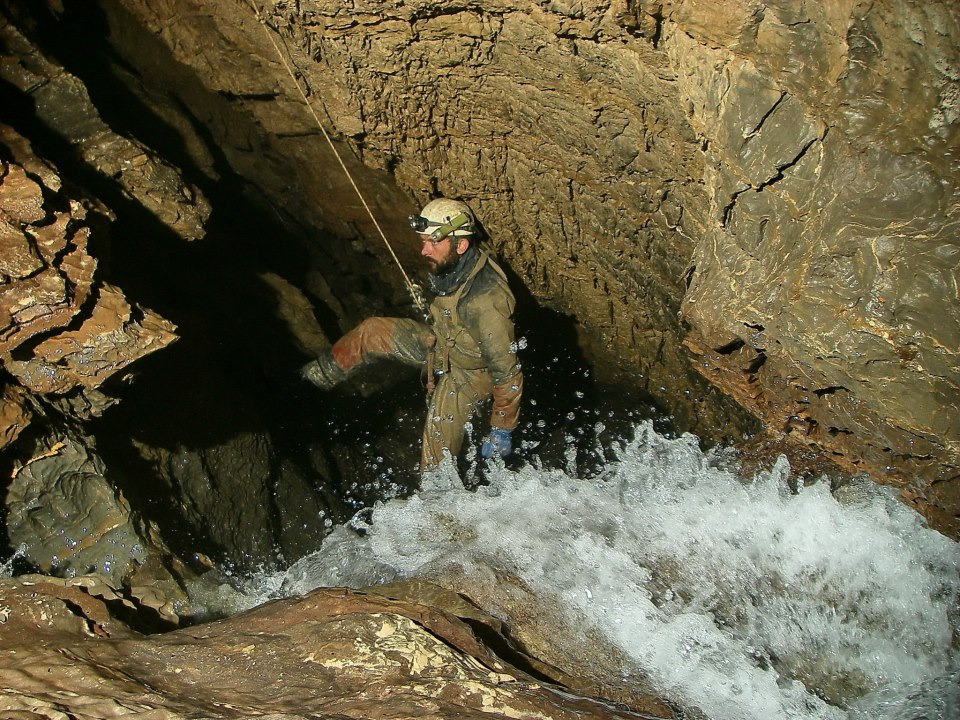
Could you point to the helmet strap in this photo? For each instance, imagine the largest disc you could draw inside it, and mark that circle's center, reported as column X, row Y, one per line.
column 452, row 224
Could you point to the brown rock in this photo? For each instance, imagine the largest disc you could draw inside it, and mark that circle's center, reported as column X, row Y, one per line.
column 47, row 279
column 817, row 297
column 46, row 272
column 332, row 653
column 21, row 199
column 674, row 176
column 14, row 415
column 65, row 517
column 108, row 340
column 783, row 175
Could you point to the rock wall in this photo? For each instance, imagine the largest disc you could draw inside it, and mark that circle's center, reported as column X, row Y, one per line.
column 769, row 186
column 85, row 209
column 332, row 653
column 823, row 289
column 561, row 130
column 65, row 331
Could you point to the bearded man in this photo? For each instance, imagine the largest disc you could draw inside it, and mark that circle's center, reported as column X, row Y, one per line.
column 468, row 348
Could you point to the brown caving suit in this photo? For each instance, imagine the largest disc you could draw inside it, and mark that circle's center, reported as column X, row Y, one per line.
column 475, row 356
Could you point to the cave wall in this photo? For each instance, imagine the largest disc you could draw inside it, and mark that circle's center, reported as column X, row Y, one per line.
column 767, row 189
column 72, row 343
column 555, row 127
column 823, row 288
column 770, row 184
column 64, row 330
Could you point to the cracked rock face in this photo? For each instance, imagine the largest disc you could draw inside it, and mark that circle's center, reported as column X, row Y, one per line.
column 63, row 333
column 769, row 186
column 333, row 653
column 823, row 296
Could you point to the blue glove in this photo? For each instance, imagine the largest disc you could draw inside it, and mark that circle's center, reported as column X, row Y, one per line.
column 499, row 441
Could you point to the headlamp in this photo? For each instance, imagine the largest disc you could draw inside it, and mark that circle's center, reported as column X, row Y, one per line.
column 419, row 223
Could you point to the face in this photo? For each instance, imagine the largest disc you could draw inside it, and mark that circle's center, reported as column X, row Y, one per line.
column 443, row 255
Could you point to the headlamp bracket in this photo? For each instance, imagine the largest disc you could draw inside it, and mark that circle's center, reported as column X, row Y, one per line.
column 421, row 225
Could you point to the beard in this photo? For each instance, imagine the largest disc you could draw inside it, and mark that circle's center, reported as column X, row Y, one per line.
column 443, row 265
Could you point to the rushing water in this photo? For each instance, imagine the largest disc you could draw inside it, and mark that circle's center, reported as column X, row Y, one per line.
column 742, row 598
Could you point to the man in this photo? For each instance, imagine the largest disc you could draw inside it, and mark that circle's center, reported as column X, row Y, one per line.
column 468, row 348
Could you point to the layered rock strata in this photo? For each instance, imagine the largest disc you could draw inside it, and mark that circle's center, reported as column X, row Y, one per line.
column 823, row 289
column 771, row 186
column 631, row 162
column 333, row 653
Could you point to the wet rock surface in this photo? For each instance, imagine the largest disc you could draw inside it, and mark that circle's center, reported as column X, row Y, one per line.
column 65, row 332
column 67, row 517
column 823, row 294
column 336, row 653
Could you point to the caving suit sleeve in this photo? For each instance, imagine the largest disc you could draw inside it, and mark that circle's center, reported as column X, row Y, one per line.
column 488, row 317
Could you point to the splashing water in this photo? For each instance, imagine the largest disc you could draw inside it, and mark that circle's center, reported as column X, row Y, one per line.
column 740, row 598
column 6, row 567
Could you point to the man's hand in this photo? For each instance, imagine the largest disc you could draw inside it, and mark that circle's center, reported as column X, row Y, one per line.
column 499, row 442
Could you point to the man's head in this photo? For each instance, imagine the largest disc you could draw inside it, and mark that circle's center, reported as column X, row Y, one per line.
column 446, row 228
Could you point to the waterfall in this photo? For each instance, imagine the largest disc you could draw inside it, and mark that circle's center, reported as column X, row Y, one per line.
column 748, row 598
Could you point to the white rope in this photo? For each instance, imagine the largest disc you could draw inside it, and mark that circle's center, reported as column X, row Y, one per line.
column 411, row 287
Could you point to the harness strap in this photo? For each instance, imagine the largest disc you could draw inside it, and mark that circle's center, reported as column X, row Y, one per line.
column 431, row 344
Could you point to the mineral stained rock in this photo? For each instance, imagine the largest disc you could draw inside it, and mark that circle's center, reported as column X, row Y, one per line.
column 65, row 331
column 62, row 330
column 64, row 334
column 332, row 653
column 823, row 290
column 769, row 186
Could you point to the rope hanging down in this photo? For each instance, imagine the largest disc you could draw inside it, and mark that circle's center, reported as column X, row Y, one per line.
column 412, row 288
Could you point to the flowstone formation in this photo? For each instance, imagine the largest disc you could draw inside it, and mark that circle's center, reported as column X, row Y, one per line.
column 823, row 289
column 333, row 653
column 767, row 185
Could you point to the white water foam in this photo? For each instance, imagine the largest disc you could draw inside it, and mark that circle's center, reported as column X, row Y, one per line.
column 737, row 597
